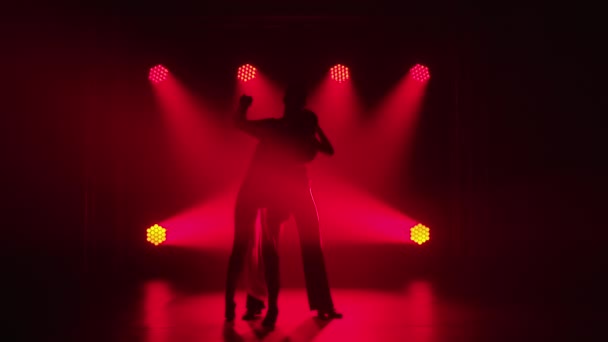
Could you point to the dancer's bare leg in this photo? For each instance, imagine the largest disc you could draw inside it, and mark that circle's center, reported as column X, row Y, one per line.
column 244, row 228
column 272, row 220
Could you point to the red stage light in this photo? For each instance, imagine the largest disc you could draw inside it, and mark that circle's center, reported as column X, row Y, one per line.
column 156, row 235
column 419, row 234
column 158, row 74
column 420, row 73
column 339, row 73
column 246, row 73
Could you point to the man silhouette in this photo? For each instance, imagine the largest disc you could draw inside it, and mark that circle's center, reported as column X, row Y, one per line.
column 277, row 181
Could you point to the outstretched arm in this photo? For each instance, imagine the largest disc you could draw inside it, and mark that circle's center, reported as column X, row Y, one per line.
column 324, row 144
column 256, row 128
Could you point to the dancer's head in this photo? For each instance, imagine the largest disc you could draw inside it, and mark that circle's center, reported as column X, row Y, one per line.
column 295, row 100
column 295, row 97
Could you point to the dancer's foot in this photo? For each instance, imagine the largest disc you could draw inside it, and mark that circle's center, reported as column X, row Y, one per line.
column 329, row 314
column 252, row 314
column 230, row 312
column 254, row 308
column 271, row 318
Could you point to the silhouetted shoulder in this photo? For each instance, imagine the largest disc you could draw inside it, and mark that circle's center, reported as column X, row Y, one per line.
column 309, row 112
column 310, row 115
column 260, row 128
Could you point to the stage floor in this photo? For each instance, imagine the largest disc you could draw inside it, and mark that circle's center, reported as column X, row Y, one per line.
column 154, row 311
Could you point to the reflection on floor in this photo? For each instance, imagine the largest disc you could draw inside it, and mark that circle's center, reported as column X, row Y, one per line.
column 158, row 313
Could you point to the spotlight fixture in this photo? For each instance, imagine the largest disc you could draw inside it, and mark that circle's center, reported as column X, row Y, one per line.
column 420, row 73
column 158, row 74
column 246, row 72
column 339, row 73
column 419, row 233
column 156, row 235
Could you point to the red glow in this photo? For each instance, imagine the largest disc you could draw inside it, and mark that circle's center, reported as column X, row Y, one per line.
column 410, row 314
column 158, row 74
column 347, row 215
column 246, row 72
column 267, row 97
column 420, row 73
column 208, row 225
column 419, row 234
column 199, row 142
column 339, row 73
column 392, row 132
column 339, row 110
column 155, row 315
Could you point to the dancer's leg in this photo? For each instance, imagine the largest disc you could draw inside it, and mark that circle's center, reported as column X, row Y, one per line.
column 307, row 221
column 254, row 308
column 257, row 292
column 244, row 226
column 272, row 219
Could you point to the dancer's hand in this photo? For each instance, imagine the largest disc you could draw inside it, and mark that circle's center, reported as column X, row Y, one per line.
column 314, row 119
column 325, row 145
column 245, row 101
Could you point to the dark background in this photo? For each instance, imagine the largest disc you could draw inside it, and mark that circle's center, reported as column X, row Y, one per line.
column 509, row 158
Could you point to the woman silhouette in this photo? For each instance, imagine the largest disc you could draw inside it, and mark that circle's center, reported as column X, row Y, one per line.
column 248, row 203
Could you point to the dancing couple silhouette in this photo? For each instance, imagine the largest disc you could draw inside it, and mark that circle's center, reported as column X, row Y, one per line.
column 276, row 187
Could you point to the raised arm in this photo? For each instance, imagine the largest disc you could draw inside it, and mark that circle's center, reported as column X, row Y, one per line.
column 324, row 144
column 256, row 128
